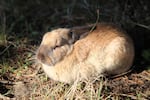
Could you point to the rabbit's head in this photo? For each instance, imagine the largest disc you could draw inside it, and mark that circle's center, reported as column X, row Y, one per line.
column 55, row 46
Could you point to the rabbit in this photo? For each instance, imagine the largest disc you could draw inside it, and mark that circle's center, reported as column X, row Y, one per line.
column 70, row 54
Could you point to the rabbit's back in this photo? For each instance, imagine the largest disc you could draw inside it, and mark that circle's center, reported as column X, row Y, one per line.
column 107, row 49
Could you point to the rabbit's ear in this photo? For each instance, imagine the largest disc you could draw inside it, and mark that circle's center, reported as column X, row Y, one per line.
column 44, row 57
column 51, row 56
column 83, row 30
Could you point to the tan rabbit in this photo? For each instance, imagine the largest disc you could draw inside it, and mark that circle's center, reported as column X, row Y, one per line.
column 78, row 53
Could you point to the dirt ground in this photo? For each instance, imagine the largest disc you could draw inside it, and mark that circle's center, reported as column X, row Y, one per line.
column 132, row 86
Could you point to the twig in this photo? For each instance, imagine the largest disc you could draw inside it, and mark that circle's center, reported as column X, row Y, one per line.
column 4, row 50
column 147, row 78
column 2, row 97
column 95, row 22
column 118, row 75
column 127, row 95
column 141, row 25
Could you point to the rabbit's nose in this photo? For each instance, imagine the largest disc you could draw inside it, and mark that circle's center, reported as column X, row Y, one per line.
column 44, row 56
column 40, row 56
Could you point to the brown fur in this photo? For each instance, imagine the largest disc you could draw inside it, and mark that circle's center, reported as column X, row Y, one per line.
column 107, row 49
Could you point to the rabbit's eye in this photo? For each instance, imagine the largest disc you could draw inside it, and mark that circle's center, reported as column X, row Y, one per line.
column 55, row 47
column 70, row 34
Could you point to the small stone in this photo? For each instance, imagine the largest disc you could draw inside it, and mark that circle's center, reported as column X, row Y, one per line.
column 20, row 90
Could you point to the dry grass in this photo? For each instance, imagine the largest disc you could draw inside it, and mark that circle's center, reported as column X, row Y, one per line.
column 41, row 87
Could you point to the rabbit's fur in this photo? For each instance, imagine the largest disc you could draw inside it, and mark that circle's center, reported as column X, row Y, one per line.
column 78, row 53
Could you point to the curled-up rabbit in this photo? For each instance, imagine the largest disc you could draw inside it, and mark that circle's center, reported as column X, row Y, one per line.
column 80, row 53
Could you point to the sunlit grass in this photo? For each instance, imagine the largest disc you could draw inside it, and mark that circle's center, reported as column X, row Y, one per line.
column 60, row 91
column 5, row 68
